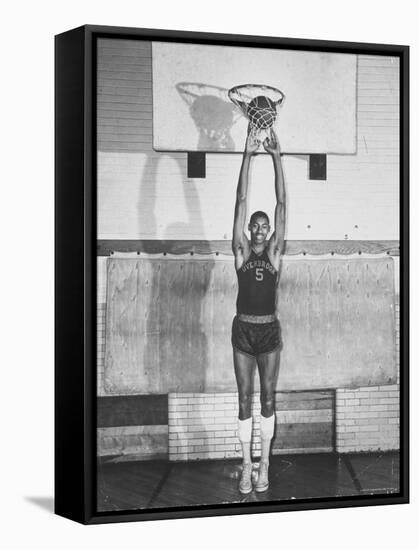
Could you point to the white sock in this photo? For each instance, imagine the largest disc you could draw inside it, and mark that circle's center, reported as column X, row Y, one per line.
column 245, row 436
column 267, row 426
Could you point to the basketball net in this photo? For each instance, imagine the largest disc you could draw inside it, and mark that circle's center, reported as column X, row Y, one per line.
column 259, row 104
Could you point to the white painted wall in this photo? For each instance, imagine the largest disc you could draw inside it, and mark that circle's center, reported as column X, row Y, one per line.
column 143, row 194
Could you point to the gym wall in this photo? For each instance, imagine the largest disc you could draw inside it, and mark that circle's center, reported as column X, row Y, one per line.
column 193, row 425
column 143, row 194
column 146, row 195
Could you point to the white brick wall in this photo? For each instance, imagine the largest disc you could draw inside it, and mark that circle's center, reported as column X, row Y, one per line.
column 204, row 426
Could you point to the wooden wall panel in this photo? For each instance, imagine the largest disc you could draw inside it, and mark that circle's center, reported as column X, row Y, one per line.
column 298, row 436
column 304, row 422
column 292, row 248
column 338, row 317
column 132, row 410
column 169, row 324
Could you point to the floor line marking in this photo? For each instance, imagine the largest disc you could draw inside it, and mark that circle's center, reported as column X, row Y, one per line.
column 352, row 473
column 160, row 484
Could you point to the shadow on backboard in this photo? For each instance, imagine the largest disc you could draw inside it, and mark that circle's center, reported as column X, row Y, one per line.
column 213, row 114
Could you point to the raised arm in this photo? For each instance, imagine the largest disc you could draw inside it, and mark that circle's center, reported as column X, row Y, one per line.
column 276, row 242
column 240, row 243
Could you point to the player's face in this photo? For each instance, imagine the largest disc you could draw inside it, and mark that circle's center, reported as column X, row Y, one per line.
column 259, row 229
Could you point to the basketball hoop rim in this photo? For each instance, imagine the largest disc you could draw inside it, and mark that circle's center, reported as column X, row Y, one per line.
column 261, row 87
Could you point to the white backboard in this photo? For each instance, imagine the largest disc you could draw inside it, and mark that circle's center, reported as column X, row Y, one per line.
column 192, row 111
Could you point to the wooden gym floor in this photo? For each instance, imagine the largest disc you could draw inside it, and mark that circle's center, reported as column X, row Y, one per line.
column 153, row 484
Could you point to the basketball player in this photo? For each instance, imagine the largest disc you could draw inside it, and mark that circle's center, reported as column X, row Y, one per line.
column 256, row 333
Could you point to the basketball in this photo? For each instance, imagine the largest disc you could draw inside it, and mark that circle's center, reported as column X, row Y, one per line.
column 262, row 112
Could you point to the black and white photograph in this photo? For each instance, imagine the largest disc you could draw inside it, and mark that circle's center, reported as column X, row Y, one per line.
column 248, row 277
column 209, row 266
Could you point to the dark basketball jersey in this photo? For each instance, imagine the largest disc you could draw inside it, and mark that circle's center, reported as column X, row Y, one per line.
column 257, row 285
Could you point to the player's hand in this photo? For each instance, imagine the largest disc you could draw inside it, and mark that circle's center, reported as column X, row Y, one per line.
column 271, row 144
column 252, row 144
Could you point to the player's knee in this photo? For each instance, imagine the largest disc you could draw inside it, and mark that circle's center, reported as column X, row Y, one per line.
column 267, row 402
column 245, row 402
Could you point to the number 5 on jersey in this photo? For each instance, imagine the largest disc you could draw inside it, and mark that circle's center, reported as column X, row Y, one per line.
column 259, row 274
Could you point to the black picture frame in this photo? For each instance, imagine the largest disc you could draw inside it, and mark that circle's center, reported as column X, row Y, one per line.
column 75, row 273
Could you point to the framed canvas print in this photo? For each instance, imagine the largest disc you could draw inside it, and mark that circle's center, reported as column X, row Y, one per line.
column 231, row 274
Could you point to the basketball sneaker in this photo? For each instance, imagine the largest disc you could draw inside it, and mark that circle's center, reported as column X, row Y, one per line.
column 262, row 483
column 245, row 485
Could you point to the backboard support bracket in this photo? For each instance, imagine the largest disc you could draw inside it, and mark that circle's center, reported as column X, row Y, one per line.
column 196, row 165
column 318, row 167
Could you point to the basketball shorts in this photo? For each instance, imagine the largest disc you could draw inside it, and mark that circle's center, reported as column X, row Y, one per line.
column 255, row 338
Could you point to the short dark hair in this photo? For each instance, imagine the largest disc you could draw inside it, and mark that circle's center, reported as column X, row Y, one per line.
column 258, row 214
